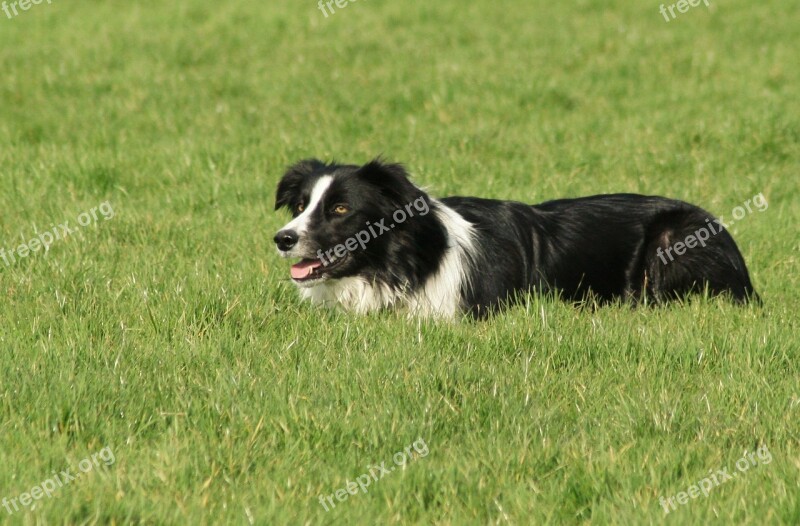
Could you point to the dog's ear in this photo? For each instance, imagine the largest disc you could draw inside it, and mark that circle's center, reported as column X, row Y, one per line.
column 391, row 180
column 292, row 181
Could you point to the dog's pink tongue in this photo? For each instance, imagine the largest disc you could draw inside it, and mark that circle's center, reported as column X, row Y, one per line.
column 305, row 268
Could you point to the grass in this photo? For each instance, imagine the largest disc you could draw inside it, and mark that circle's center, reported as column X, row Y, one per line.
column 171, row 334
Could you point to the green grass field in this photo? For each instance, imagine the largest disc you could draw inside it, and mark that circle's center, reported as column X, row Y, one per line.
column 170, row 333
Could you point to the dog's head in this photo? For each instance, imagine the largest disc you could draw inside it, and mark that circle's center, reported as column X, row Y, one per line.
column 344, row 217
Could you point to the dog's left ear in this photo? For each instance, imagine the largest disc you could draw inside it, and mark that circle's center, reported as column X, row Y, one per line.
column 392, row 181
column 292, row 181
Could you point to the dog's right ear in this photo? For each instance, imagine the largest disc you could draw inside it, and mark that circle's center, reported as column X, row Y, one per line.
column 292, row 181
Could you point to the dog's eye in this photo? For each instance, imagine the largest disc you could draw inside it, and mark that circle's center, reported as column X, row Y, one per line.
column 300, row 207
column 340, row 210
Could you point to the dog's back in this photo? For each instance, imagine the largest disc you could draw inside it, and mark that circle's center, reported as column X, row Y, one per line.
column 614, row 245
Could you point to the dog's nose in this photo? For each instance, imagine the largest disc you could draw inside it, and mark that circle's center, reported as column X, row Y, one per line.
column 286, row 239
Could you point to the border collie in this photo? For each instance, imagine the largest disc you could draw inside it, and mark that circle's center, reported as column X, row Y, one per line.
column 455, row 255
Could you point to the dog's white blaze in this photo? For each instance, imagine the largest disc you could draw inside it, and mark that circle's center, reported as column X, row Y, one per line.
column 439, row 297
column 300, row 223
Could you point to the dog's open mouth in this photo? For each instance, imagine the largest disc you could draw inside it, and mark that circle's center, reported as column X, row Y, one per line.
column 309, row 269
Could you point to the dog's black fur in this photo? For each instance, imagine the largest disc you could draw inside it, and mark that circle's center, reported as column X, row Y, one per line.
column 603, row 246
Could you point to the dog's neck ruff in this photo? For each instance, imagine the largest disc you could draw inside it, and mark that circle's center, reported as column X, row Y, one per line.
column 440, row 296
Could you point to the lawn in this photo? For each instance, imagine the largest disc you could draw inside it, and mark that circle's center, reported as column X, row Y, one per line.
column 157, row 349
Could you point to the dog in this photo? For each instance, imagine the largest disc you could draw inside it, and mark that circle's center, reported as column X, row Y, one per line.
column 468, row 255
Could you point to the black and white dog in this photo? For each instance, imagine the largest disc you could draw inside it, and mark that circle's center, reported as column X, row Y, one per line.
column 368, row 238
